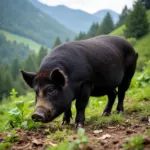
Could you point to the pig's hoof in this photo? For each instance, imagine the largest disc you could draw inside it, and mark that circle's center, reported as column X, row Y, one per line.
column 120, row 111
column 106, row 114
column 64, row 122
column 79, row 125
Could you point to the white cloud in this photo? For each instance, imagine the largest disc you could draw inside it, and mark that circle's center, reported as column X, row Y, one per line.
column 92, row 6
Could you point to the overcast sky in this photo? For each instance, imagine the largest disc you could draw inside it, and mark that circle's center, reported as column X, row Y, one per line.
column 92, row 6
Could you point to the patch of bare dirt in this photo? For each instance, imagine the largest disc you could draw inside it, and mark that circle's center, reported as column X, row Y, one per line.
column 113, row 137
column 107, row 138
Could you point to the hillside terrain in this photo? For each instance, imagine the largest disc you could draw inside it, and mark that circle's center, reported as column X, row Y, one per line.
column 11, row 50
column 23, row 19
column 74, row 19
column 20, row 39
column 142, row 45
column 128, row 130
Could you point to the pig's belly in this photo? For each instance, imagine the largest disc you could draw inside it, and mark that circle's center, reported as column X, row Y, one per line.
column 99, row 91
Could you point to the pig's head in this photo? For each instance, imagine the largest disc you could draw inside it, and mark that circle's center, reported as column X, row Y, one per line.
column 53, row 95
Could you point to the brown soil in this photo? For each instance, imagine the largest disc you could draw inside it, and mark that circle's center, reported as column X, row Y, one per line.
column 107, row 138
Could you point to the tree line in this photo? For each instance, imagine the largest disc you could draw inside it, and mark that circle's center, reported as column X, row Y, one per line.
column 14, row 56
column 135, row 21
column 10, row 76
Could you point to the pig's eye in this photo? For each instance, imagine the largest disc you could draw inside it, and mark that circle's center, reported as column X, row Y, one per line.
column 50, row 90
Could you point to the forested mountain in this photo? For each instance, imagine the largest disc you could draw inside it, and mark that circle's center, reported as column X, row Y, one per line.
column 22, row 18
column 11, row 50
column 102, row 13
column 74, row 19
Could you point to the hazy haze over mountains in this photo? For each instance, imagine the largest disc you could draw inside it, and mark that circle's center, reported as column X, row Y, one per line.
column 74, row 19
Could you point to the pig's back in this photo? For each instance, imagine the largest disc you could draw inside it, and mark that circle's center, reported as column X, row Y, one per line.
column 100, row 60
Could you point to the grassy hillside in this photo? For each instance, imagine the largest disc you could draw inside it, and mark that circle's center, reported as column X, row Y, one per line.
column 119, row 31
column 142, row 45
column 23, row 19
column 13, row 37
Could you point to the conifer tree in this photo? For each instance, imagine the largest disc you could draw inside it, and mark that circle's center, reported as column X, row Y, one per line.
column 57, row 42
column 107, row 25
column 42, row 53
column 93, row 30
column 137, row 23
column 15, row 68
column 123, row 16
column 146, row 3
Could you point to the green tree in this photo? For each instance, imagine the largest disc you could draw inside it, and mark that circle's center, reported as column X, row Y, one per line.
column 137, row 23
column 67, row 40
column 107, row 25
column 123, row 16
column 6, row 81
column 81, row 36
column 146, row 3
column 15, row 68
column 30, row 63
column 93, row 30
column 42, row 53
column 57, row 42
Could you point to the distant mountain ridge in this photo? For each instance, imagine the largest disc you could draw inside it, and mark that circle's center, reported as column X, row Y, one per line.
column 101, row 14
column 74, row 19
column 24, row 19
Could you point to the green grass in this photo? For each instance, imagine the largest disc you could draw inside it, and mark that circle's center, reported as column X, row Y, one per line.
column 135, row 143
column 98, row 122
column 119, row 31
column 18, row 112
column 142, row 45
column 79, row 143
column 60, row 135
column 13, row 37
column 134, row 107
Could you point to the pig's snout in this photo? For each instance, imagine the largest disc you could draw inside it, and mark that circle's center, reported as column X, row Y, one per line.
column 40, row 115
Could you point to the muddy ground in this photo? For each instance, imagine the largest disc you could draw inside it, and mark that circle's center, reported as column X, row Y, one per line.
column 109, row 137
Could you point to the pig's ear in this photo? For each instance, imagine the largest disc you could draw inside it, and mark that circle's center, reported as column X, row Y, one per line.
column 58, row 77
column 28, row 77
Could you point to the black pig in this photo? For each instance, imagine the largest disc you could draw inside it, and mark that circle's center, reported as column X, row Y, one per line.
column 78, row 70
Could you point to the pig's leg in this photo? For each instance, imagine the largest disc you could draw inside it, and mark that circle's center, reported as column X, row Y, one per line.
column 123, row 87
column 111, row 98
column 81, row 103
column 121, row 94
column 67, row 116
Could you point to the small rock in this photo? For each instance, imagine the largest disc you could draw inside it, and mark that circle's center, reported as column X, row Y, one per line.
column 111, row 127
column 105, row 136
column 122, row 127
column 97, row 131
column 127, row 121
